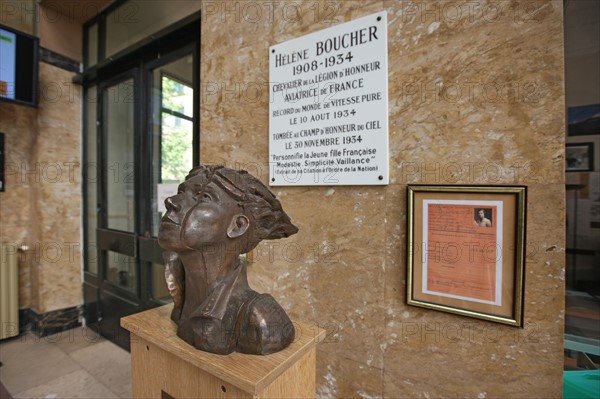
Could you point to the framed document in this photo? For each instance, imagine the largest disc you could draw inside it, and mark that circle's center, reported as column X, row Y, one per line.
column 466, row 250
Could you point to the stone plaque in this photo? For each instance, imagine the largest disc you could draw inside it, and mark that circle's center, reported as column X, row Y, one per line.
column 328, row 114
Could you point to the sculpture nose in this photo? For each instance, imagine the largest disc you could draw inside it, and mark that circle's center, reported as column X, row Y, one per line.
column 172, row 205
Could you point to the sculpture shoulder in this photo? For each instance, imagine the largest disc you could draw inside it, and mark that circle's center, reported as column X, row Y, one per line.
column 265, row 327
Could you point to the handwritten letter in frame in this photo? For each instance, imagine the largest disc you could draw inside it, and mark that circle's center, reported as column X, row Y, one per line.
column 466, row 250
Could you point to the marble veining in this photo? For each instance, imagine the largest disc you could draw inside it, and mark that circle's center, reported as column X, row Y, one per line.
column 480, row 91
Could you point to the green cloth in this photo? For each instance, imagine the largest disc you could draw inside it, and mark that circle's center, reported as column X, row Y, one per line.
column 581, row 384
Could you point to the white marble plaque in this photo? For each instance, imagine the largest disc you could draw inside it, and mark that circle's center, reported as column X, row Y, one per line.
column 328, row 113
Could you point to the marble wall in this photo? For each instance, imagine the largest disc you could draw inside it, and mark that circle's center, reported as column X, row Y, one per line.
column 477, row 85
column 58, row 213
column 41, row 207
column 40, row 210
column 17, row 202
column 474, row 84
column 20, row 14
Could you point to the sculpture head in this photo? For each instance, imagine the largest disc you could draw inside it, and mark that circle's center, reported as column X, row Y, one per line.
column 218, row 205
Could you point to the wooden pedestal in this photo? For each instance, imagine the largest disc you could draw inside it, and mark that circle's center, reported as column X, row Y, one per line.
column 164, row 366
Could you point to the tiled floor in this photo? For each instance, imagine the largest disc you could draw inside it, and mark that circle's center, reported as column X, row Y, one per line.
column 73, row 364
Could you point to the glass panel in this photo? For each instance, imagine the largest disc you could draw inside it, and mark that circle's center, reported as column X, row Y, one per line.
column 120, row 179
column 134, row 21
column 121, row 270
column 582, row 272
column 176, row 148
column 92, row 46
column 172, row 130
column 159, row 285
column 177, row 96
column 92, row 172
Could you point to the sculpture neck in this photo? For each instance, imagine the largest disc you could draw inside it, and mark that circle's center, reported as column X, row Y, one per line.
column 203, row 272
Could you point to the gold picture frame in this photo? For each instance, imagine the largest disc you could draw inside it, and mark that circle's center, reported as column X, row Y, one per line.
column 466, row 250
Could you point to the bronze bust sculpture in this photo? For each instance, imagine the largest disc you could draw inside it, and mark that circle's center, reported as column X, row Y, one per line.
column 218, row 214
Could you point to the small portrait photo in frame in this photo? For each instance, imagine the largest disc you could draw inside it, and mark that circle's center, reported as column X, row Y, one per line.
column 466, row 249
column 483, row 217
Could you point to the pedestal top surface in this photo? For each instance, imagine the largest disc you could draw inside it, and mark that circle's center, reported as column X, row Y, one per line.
column 248, row 372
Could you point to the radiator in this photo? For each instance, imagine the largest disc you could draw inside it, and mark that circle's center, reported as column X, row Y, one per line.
column 9, row 291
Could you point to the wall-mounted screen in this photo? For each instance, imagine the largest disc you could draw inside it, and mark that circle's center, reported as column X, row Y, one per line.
column 18, row 66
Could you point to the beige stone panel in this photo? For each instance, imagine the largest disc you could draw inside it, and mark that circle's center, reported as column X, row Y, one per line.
column 545, row 257
column 58, row 201
column 340, row 377
column 235, row 99
column 513, row 138
column 59, row 108
column 18, row 125
column 546, row 207
column 353, row 322
column 17, row 122
column 234, row 113
column 491, row 115
column 294, row 19
column 458, row 349
column 290, row 268
column 225, row 84
column 396, row 229
column 545, row 260
column 338, row 279
column 20, row 15
column 287, row 269
column 59, row 250
column 496, row 361
column 229, row 26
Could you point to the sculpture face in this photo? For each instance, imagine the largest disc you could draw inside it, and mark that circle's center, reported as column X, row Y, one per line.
column 198, row 215
column 481, row 214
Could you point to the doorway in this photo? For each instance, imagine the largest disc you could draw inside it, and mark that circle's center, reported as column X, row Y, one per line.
column 146, row 140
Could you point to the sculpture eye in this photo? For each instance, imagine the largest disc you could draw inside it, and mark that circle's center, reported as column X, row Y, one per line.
column 204, row 197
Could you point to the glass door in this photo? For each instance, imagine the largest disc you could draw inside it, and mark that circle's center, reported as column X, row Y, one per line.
column 119, row 280
column 174, row 137
column 141, row 135
column 148, row 141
